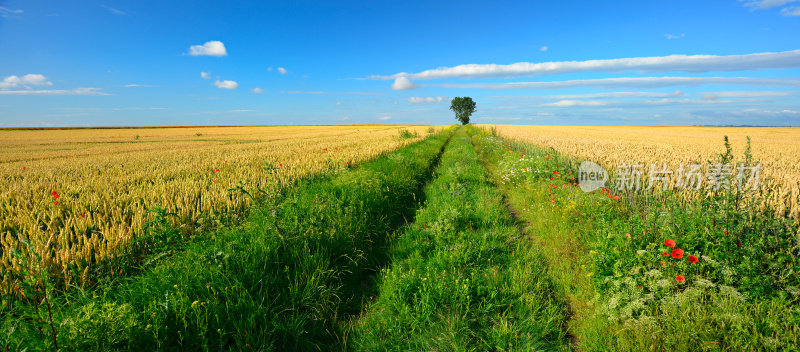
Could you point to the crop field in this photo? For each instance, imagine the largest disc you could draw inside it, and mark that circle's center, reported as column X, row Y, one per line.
column 401, row 238
column 79, row 196
column 776, row 148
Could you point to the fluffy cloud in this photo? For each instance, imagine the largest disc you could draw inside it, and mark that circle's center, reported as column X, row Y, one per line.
column 543, row 49
column 676, row 93
column 226, row 84
column 671, row 63
column 670, row 36
column 385, row 118
column 7, row 12
column 630, row 82
column 791, row 11
column 403, row 83
column 765, row 4
column 210, row 48
column 745, row 94
column 77, row 91
column 26, row 81
column 257, row 90
column 420, row 100
column 205, row 75
column 282, row 70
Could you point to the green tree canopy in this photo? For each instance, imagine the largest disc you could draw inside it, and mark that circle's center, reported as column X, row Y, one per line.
column 463, row 107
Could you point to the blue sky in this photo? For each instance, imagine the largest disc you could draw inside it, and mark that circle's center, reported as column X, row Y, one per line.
column 133, row 63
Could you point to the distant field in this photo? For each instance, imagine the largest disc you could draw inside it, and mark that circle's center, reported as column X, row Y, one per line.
column 79, row 195
column 776, row 148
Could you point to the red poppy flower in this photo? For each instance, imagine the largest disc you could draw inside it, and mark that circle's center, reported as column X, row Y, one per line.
column 83, row 215
column 628, row 235
column 281, row 165
column 55, row 203
column 680, row 278
column 325, row 149
column 669, row 243
column 616, row 197
column 213, row 181
column 692, row 259
column 666, row 254
column 55, row 195
column 555, row 172
column 677, row 253
column 609, row 195
column 24, row 167
column 216, row 170
column 551, row 177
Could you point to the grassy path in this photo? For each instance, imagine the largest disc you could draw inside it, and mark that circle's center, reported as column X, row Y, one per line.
column 462, row 277
column 731, row 285
column 287, row 279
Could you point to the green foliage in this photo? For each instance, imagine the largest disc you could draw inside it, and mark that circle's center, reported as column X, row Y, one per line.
column 406, row 134
column 284, row 280
column 461, row 277
column 741, row 294
column 463, row 107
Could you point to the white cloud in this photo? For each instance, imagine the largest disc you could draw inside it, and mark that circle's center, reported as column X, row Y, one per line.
column 205, row 75
column 385, row 118
column 257, row 90
column 26, row 81
column 282, row 70
column 210, row 48
column 403, row 83
column 420, row 100
column 670, row 36
column 676, row 93
column 671, row 63
column 745, row 94
column 543, row 48
column 791, row 11
column 7, row 12
column 629, row 82
column 114, row 11
column 226, row 84
column 765, row 4
column 77, row 91
column 570, row 103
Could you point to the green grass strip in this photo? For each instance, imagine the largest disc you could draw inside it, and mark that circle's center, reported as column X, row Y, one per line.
column 462, row 277
column 606, row 259
column 284, row 280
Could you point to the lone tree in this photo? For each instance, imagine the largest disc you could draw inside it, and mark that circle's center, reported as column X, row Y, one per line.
column 463, row 107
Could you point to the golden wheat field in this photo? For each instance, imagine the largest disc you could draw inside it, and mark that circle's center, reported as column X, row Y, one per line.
column 79, row 195
column 776, row 148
